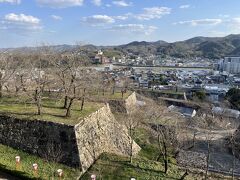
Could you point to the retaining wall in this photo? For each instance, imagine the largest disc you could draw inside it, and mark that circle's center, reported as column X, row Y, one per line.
column 77, row 146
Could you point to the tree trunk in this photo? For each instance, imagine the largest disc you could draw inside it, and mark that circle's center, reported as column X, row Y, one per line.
column 1, row 88
column 233, row 167
column 22, row 84
column 38, row 98
column 1, row 85
column 16, row 89
column 68, row 113
column 165, row 166
column 103, row 92
column 131, row 143
column 184, row 175
column 113, row 90
column 65, row 102
column 7, row 88
column 233, row 153
column 159, row 147
column 131, row 153
column 83, row 99
column 35, row 95
column 208, row 158
column 165, row 158
column 163, row 149
column 39, row 106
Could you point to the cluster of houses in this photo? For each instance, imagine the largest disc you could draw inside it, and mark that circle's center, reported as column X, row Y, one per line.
column 158, row 60
column 214, row 83
column 100, row 58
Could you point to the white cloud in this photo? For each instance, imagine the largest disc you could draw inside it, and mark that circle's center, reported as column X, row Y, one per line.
column 55, row 17
column 200, row 22
column 153, row 13
column 97, row 2
column 60, row 3
column 123, row 17
column 22, row 18
column 134, row 28
column 224, row 15
column 236, row 20
column 234, row 25
column 11, row 1
column 122, row 3
column 185, row 6
column 98, row 20
column 21, row 23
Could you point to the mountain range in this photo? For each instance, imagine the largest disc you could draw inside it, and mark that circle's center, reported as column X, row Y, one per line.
column 206, row 47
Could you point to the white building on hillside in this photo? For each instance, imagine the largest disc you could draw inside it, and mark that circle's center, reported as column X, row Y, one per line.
column 230, row 64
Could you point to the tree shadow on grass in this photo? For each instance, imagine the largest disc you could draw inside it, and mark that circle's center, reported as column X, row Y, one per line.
column 20, row 114
column 17, row 175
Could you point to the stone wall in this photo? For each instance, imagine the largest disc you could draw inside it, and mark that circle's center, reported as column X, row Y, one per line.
column 123, row 106
column 157, row 93
column 99, row 133
column 192, row 159
column 77, row 146
column 46, row 139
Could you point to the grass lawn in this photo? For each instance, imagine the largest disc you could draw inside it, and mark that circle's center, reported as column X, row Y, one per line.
column 51, row 110
column 144, row 166
column 110, row 167
column 46, row 170
column 118, row 95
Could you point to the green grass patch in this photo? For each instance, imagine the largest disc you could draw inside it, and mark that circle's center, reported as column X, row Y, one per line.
column 51, row 110
column 118, row 95
column 109, row 167
column 143, row 167
column 47, row 170
column 148, row 144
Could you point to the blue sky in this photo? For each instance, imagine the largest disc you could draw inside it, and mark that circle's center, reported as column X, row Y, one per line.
column 112, row 22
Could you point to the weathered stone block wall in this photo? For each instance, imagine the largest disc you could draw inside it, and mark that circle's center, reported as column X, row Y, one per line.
column 77, row 146
column 118, row 106
column 123, row 106
column 99, row 133
column 131, row 101
column 45, row 139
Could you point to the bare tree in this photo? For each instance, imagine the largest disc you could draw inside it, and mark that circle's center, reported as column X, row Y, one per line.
column 164, row 126
column 7, row 69
column 132, row 122
column 39, row 81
